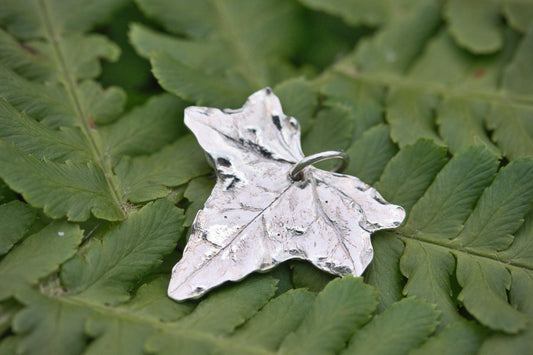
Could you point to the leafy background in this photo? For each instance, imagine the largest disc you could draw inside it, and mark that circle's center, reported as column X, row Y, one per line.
column 100, row 180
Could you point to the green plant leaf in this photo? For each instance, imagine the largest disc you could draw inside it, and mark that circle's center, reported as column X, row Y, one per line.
column 6, row 194
column 452, row 195
column 441, row 91
column 193, row 84
column 519, row 15
column 59, row 97
column 365, row 100
column 384, row 271
column 341, row 307
column 151, row 301
column 332, row 130
column 437, row 229
column 146, row 178
column 71, row 188
column 432, row 100
column 8, row 345
column 305, row 275
column 145, row 129
column 402, row 327
column 218, row 315
column 197, row 192
column 61, row 125
column 37, row 256
column 522, row 342
column 15, row 218
column 410, row 172
column 354, row 13
column 49, row 325
column 475, row 24
column 104, row 271
column 124, row 335
column 370, row 153
column 229, row 49
column 300, row 100
column 8, row 309
column 457, row 338
column 277, row 319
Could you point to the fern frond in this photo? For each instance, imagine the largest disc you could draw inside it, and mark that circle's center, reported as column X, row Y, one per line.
column 440, row 91
column 61, row 140
column 229, row 50
column 104, row 271
column 433, row 105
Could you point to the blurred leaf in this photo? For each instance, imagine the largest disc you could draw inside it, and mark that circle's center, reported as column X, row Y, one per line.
column 37, row 256
column 226, row 49
column 15, row 219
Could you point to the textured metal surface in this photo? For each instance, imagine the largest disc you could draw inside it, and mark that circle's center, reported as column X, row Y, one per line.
column 258, row 217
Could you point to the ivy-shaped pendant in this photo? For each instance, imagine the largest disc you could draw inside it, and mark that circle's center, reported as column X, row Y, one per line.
column 270, row 204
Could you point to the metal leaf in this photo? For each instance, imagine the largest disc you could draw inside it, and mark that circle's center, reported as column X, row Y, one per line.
column 258, row 217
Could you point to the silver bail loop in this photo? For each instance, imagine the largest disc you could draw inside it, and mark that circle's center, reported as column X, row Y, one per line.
column 318, row 157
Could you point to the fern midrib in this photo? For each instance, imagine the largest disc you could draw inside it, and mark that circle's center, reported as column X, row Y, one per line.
column 444, row 90
column 98, row 156
column 451, row 248
column 172, row 327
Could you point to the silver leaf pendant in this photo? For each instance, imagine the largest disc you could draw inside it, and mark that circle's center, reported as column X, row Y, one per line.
column 270, row 204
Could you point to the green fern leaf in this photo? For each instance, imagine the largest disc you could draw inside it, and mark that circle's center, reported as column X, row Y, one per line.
column 374, row 142
column 15, row 219
column 48, row 325
column 122, row 334
column 343, row 305
column 229, row 50
column 105, row 271
column 457, row 338
column 132, row 135
column 49, row 185
column 300, row 99
column 8, row 309
column 364, row 99
column 475, row 25
column 277, row 319
column 6, row 194
column 456, row 102
column 332, row 128
column 522, row 284
column 37, row 256
column 402, row 327
column 197, row 193
column 147, row 178
column 50, row 108
column 232, row 320
column 354, row 13
column 404, row 179
column 519, row 15
column 433, row 105
column 408, row 174
column 150, row 301
column 450, row 219
column 68, row 102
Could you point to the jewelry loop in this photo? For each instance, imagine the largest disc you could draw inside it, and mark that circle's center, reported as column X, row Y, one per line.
column 318, row 157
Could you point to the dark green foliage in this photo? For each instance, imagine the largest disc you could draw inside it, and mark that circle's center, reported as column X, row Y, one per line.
column 100, row 180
